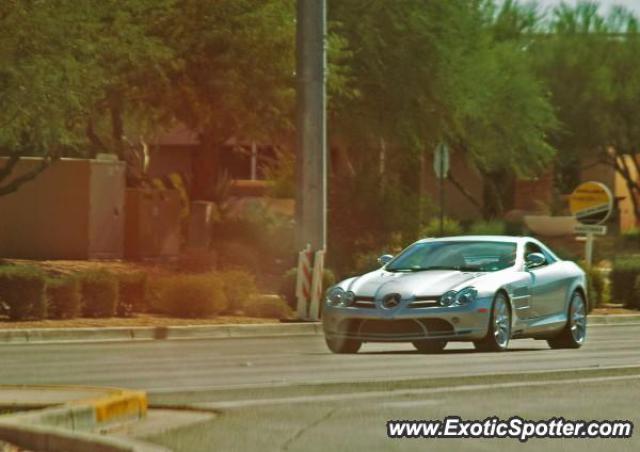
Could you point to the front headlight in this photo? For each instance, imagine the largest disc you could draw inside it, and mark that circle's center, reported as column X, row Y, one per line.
column 336, row 296
column 448, row 299
column 464, row 297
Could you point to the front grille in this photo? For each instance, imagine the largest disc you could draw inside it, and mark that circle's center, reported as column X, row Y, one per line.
column 364, row 302
column 391, row 328
column 425, row 302
column 395, row 329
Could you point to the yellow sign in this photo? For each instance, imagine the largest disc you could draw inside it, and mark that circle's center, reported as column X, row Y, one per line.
column 591, row 203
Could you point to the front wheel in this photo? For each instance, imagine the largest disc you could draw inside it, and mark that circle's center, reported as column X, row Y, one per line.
column 342, row 345
column 499, row 334
column 575, row 331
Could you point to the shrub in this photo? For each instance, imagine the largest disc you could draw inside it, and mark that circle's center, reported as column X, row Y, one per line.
column 132, row 288
column 631, row 237
column 635, row 303
column 287, row 288
column 99, row 293
column 267, row 306
column 237, row 255
column 493, row 227
column 64, row 298
column 595, row 285
column 192, row 295
column 622, row 279
column 22, row 290
column 196, row 261
column 449, row 227
column 239, row 286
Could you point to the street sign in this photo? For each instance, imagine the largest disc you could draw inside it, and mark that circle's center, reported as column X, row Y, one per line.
column 596, row 229
column 441, row 161
column 591, row 203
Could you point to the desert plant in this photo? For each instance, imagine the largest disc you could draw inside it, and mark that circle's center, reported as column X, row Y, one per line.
column 132, row 288
column 622, row 279
column 287, row 288
column 192, row 295
column 63, row 297
column 99, row 293
column 491, row 227
column 449, row 227
column 267, row 306
column 239, row 286
column 22, row 290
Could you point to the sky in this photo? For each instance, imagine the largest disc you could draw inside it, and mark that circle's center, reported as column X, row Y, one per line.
column 633, row 5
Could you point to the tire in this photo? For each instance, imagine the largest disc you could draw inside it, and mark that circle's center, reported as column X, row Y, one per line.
column 499, row 334
column 433, row 346
column 574, row 332
column 341, row 345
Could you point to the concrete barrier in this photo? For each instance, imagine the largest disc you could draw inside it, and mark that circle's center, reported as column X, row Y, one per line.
column 68, row 427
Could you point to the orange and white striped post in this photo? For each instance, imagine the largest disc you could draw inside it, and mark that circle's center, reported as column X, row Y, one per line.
column 304, row 280
column 309, row 283
column 316, row 285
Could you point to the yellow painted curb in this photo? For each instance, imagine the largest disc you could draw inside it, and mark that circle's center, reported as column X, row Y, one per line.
column 125, row 404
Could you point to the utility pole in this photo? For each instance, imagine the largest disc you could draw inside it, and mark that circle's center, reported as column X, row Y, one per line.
column 311, row 152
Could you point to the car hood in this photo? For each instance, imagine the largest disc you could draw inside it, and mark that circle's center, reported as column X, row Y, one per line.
column 424, row 283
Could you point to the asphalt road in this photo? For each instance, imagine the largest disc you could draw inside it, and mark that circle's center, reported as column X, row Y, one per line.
column 169, row 366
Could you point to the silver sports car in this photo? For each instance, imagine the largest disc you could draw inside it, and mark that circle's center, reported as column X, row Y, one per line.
column 485, row 289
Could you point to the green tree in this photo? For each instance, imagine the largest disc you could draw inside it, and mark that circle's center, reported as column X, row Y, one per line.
column 47, row 80
column 589, row 61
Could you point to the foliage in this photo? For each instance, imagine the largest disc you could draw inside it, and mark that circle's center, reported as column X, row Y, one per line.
column 239, row 286
column 281, row 174
column 192, row 295
column 63, row 297
column 196, row 261
column 449, row 227
column 493, row 227
column 622, row 279
column 588, row 62
column 267, row 306
column 99, row 293
column 596, row 285
column 132, row 289
column 22, row 291
column 635, row 303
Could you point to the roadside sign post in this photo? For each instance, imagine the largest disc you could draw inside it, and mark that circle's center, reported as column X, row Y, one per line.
column 441, row 169
column 591, row 203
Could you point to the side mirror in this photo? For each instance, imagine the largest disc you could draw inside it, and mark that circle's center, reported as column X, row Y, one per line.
column 382, row 260
column 535, row 260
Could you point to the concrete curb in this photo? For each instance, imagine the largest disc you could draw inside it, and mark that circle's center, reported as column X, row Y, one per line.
column 39, row 335
column 67, row 427
column 63, row 335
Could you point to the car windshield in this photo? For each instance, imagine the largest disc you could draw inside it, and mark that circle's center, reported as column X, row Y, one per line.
column 481, row 256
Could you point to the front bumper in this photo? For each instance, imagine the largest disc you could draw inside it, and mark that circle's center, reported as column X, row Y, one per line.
column 406, row 324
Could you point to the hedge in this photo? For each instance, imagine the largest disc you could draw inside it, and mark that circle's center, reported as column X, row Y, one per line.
column 623, row 279
column 132, row 293
column 267, row 306
column 192, row 295
column 239, row 286
column 99, row 293
column 63, row 297
column 22, row 290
